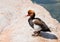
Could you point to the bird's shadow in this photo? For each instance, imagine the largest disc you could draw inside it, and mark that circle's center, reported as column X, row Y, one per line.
column 48, row 35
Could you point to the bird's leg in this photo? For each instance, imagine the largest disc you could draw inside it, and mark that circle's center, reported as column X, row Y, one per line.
column 36, row 33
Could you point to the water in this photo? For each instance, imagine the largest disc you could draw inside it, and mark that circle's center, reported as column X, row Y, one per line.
column 53, row 6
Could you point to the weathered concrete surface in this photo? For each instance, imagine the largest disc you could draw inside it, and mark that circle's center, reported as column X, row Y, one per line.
column 15, row 28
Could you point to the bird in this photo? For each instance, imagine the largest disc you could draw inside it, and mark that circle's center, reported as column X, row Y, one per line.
column 37, row 24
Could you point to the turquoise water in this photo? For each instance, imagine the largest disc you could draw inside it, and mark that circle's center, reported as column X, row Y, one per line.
column 53, row 6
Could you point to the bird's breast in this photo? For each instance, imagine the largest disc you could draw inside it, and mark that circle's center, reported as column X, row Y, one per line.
column 37, row 27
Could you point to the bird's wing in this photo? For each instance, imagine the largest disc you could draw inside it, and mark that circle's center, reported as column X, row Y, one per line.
column 38, row 22
column 41, row 24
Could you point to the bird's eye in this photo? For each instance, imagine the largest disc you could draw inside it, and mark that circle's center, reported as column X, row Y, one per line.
column 29, row 13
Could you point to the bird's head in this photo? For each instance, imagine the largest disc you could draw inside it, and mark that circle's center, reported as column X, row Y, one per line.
column 31, row 13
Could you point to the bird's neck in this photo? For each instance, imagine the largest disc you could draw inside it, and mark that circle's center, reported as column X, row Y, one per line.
column 32, row 17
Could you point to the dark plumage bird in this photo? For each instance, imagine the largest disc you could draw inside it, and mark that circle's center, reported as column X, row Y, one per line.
column 36, row 23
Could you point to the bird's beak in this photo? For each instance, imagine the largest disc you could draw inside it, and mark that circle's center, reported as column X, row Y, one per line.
column 27, row 15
